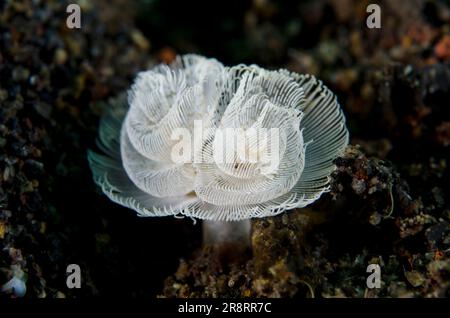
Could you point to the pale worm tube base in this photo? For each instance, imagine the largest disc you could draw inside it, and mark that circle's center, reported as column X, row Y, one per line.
column 230, row 241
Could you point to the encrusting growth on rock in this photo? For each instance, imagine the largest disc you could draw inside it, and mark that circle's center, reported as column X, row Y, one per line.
column 307, row 253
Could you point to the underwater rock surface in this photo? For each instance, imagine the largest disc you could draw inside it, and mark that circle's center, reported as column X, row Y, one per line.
column 368, row 217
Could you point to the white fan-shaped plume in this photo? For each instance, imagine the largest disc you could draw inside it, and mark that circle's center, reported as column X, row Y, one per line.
column 280, row 117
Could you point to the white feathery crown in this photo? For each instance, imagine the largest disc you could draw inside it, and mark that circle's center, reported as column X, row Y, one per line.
column 136, row 168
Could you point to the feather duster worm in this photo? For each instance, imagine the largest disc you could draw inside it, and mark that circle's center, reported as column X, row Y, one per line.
column 135, row 167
